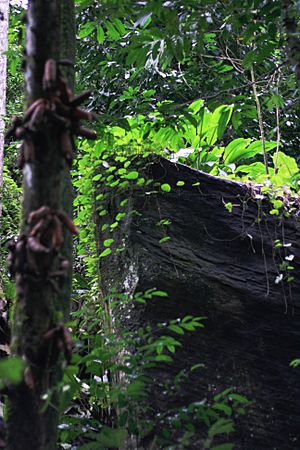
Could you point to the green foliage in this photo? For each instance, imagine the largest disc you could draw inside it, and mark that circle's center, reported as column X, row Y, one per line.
column 99, row 375
column 88, row 382
column 11, row 370
column 171, row 50
column 295, row 362
column 147, row 62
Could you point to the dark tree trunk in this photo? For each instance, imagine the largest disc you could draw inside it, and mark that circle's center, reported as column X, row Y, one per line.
column 42, row 300
column 222, row 265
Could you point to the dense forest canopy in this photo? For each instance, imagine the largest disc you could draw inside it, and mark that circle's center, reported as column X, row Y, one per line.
column 213, row 85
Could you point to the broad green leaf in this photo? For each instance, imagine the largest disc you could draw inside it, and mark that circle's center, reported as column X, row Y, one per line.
column 196, row 106
column 205, row 122
column 119, row 26
column 11, row 369
column 86, row 29
column 264, row 52
column 255, row 148
column 253, row 170
column 287, row 168
column 286, row 163
column 100, row 34
column 218, row 122
column 222, row 116
column 249, row 59
column 112, row 31
column 235, row 149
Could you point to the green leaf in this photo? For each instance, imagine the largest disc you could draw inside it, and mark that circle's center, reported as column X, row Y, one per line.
column 264, row 52
column 100, row 34
column 86, row 29
column 159, row 294
column 217, row 123
column 112, row 31
column 255, row 148
column 196, row 106
column 180, row 183
column 287, row 168
column 176, row 329
column 120, row 216
column 253, row 170
column 223, row 407
column 132, row 175
column 220, row 427
column 277, row 204
column 165, row 187
column 235, row 149
column 249, row 59
column 164, row 239
column 226, row 446
column 295, row 363
column 105, row 252
column 143, row 21
column 119, row 26
column 111, row 437
column 163, row 358
column 136, row 389
column 12, row 369
column 238, row 398
column 108, row 242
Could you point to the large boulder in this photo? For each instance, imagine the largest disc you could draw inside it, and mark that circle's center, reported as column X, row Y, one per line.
column 223, row 256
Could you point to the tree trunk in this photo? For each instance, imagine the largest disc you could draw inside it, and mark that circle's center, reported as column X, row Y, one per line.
column 4, row 8
column 43, row 286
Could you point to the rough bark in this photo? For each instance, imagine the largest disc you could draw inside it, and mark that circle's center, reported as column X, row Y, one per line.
column 4, row 8
column 42, row 302
column 222, row 265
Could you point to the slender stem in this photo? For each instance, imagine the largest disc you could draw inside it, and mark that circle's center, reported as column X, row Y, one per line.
column 277, row 140
column 260, row 119
column 278, row 135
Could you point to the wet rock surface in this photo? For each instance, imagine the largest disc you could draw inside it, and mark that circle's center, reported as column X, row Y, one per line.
column 222, row 265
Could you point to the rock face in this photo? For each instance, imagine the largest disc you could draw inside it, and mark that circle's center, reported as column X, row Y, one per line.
column 220, row 264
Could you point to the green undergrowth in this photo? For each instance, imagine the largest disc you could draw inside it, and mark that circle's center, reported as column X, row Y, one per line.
column 105, row 392
column 109, row 394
